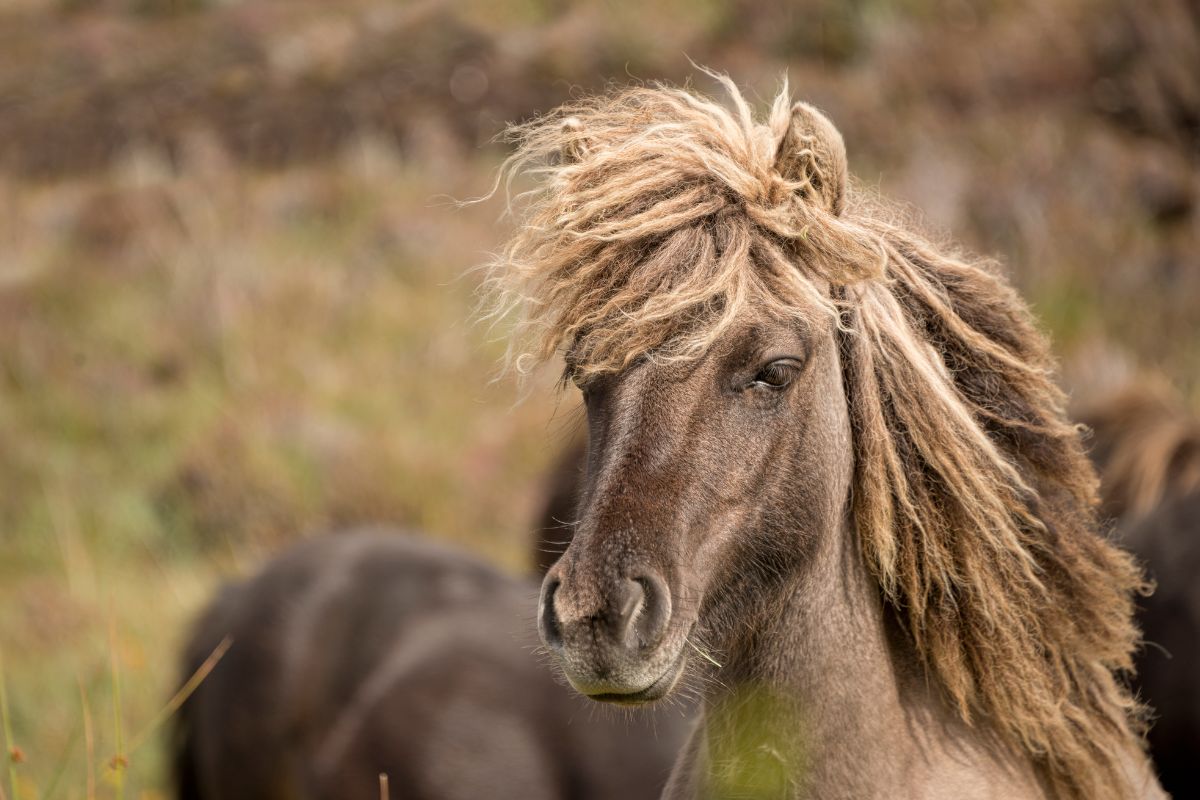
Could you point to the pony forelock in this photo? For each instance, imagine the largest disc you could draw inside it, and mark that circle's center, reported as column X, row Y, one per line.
column 657, row 216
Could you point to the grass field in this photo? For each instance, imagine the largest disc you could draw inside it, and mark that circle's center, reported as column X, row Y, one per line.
column 223, row 328
column 260, row 357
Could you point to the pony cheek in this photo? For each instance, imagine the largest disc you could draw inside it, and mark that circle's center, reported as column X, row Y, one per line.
column 708, row 557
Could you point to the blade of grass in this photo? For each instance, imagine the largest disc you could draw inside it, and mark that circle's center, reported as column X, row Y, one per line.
column 181, row 696
column 10, row 747
column 88, row 739
column 118, row 761
column 703, row 654
column 61, row 767
column 76, row 562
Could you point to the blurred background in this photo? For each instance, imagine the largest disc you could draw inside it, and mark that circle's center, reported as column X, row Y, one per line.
column 236, row 297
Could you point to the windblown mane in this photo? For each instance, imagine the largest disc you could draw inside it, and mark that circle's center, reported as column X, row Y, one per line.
column 659, row 214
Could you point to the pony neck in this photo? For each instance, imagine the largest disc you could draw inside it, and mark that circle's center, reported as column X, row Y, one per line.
column 831, row 702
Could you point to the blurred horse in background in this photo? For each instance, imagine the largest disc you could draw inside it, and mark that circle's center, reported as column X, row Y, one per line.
column 560, row 506
column 371, row 653
column 1146, row 446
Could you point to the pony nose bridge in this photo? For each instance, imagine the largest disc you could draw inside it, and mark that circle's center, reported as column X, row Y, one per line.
column 636, row 466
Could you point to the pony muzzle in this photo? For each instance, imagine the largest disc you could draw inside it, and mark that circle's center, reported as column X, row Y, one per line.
column 609, row 643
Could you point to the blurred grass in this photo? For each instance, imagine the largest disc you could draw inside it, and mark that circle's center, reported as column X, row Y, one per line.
column 235, row 303
column 259, row 357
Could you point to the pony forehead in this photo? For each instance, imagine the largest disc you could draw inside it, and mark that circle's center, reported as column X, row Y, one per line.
column 679, row 301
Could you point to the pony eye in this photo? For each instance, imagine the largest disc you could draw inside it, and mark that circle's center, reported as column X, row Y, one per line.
column 775, row 375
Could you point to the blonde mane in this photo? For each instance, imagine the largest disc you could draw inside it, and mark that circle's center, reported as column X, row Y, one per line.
column 658, row 215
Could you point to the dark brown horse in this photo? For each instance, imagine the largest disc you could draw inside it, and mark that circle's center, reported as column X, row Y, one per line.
column 1167, row 539
column 830, row 479
column 1146, row 445
column 374, row 653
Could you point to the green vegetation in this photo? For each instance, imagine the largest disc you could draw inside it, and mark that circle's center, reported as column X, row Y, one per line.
column 750, row 758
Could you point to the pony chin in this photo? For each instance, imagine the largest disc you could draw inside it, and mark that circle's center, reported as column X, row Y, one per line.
column 631, row 683
column 657, row 689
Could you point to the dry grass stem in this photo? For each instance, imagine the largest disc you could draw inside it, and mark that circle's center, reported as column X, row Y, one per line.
column 181, row 696
column 10, row 748
column 89, row 739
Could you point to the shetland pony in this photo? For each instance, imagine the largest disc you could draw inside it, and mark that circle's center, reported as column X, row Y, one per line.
column 830, row 482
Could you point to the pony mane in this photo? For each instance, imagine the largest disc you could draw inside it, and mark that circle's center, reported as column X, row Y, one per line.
column 658, row 214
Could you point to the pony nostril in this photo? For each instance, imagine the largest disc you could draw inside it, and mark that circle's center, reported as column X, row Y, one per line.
column 630, row 600
column 651, row 623
column 548, row 626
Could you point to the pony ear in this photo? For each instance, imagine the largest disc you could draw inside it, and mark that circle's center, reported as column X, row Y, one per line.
column 575, row 143
column 812, row 153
